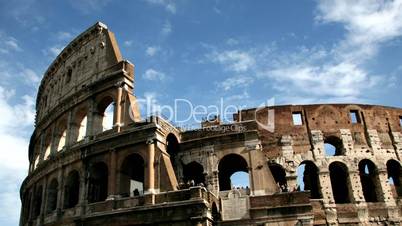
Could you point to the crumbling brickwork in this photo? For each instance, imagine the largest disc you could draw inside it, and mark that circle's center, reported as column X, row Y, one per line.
column 327, row 164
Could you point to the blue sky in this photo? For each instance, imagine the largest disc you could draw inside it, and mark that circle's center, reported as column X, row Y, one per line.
column 294, row 51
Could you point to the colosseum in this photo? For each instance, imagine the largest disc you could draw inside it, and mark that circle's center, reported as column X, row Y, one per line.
column 146, row 171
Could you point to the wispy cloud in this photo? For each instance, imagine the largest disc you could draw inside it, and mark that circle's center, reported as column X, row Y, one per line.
column 166, row 28
column 8, row 44
column 64, row 36
column 235, row 82
column 154, row 75
column 152, row 50
column 335, row 73
column 89, row 6
column 169, row 5
column 234, row 60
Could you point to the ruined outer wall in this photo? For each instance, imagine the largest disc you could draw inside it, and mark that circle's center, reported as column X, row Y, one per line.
column 375, row 136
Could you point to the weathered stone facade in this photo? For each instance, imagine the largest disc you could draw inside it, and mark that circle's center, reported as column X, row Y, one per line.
column 82, row 173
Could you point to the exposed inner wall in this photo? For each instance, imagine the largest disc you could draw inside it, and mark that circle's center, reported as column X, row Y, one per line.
column 366, row 142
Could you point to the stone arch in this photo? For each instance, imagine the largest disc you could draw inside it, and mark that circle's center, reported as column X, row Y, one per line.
column 61, row 134
column 279, row 174
column 194, row 171
column 333, row 146
column 308, row 179
column 172, row 148
column 80, row 124
column 105, row 117
column 47, row 147
column 26, row 206
column 72, row 189
column 228, row 165
column 97, row 182
column 132, row 175
column 37, row 201
column 340, row 182
column 370, row 181
column 394, row 170
column 52, row 191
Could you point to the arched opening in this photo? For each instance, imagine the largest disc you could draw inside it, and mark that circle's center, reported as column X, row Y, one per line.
column 52, row 191
column 333, row 146
column 229, row 165
column 132, row 176
column 47, row 145
column 47, row 151
column 37, row 202
column 97, row 182
column 26, row 206
column 82, row 128
column 340, row 182
column 194, row 172
column 369, row 181
column 394, row 170
column 215, row 215
column 72, row 189
column 62, row 140
column 172, row 148
column 108, row 114
column 307, row 179
column 279, row 174
column 36, row 162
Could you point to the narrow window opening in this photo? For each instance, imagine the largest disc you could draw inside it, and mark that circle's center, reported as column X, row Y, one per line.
column 69, row 74
column 354, row 116
column 297, row 118
column 400, row 121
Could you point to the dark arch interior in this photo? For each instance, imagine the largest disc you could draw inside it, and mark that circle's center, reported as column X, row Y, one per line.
column 172, row 147
column 71, row 190
column 310, row 180
column 279, row 174
column 340, row 182
column 132, row 176
column 369, row 180
column 52, row 191
column 215, row 215
column 229, row 165
column 333, row 146
column 97, row 182
column 37, row 201
column 103, row 105
column 394, row 170
column 194, row 171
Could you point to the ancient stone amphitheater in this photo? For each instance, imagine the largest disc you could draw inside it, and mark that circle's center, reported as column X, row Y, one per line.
column 145, row 171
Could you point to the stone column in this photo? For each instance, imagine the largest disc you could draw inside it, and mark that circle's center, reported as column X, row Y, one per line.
column 91, row 118
column 150, row 186
column 70, row 126
column 117, row 119
column 317, row 139
column 60, row 190
column 347, row 141
column 112, row 175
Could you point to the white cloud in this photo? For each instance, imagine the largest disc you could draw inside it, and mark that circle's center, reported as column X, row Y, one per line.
column 167, row 28
column 128, row 43
column 30, row 75
column 233, row 60
column 154, row 75
column 64, row 36
column 368, row 24
column 169, row 5
column 235, row 82
column 15, row 120
column 152, row 50
column 8, row 44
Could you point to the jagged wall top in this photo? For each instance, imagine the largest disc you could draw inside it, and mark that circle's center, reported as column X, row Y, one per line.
column 79, row 64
